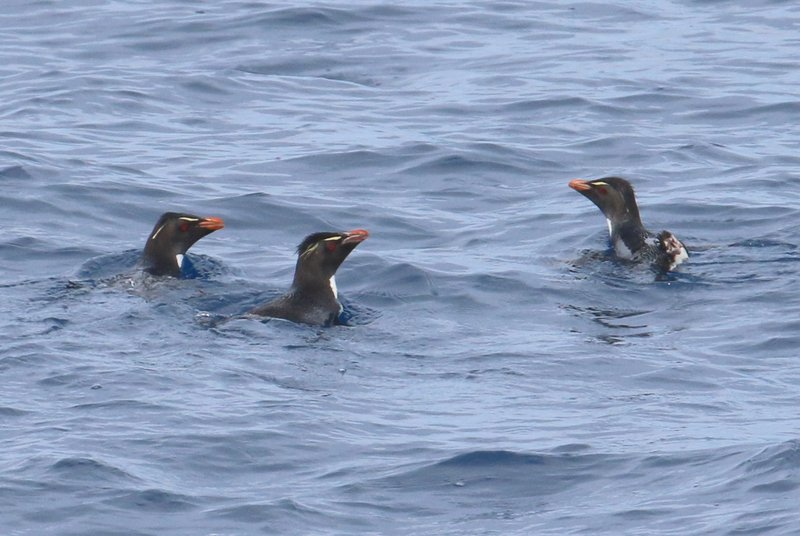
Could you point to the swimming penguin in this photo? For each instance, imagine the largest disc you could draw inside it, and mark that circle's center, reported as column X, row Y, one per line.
column 171, row 238
column 614, row 196
column 313, row 297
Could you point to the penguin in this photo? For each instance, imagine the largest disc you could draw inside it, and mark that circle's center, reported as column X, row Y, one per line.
column 171, row 238
column 615, row 198
column 313, row 297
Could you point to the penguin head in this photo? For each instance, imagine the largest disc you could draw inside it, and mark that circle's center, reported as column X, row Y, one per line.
column 612, row 195
column 321, row 254
column 172, row 236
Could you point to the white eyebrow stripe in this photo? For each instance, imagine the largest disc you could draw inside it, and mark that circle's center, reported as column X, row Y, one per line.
column 157, row 231
column 337, row 237
column 184, row 218
column 309, row 249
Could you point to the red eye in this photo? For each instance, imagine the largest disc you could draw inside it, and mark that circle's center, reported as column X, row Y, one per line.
column 330, row 246
column 602, row 190
column 184, row 227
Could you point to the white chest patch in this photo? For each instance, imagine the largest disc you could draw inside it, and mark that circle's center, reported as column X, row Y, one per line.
column 332, row 281
column 608, row 222
column 333, row 287
column 622, row 250
column 179, row 259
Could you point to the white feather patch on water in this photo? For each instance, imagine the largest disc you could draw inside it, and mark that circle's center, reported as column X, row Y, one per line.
column 682, row 256
column 678, row 252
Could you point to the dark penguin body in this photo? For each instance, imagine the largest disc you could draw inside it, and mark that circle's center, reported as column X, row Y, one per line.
column 313, row 297
column 615, row 198
column 171, row 238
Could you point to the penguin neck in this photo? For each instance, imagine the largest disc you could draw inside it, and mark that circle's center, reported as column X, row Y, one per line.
column 315, row 287
column 161, row 261
column 628, row 237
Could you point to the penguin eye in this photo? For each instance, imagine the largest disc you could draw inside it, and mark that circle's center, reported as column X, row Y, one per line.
column 183, row 227
column 330, row 246
column 602, row 190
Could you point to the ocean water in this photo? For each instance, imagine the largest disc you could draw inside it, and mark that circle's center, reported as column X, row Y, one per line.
column 501, row 373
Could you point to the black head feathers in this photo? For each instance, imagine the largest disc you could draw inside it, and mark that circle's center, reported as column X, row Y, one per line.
column 170, row 239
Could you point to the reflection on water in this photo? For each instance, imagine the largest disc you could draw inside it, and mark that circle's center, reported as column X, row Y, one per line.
column 622, row 324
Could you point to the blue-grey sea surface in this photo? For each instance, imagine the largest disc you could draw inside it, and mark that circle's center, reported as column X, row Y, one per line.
column 500, row 373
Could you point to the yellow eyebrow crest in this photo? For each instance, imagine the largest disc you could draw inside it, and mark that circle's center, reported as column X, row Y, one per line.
column 337, row 237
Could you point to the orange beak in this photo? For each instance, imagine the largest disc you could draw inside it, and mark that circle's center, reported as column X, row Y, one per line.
column 580, row 185
column 212, row 224
column 355, row 236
